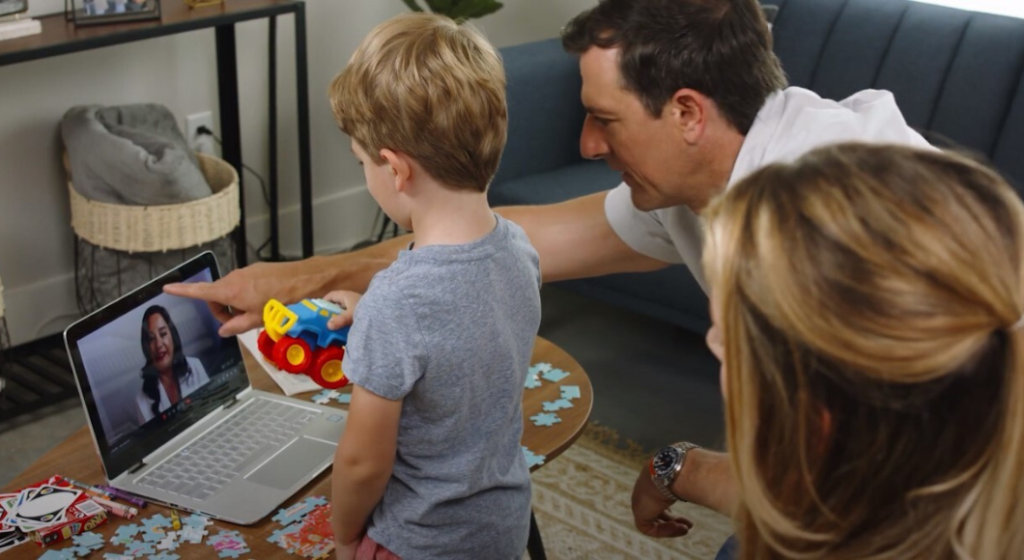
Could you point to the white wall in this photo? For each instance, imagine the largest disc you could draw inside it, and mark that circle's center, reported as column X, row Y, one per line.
column 36, row 247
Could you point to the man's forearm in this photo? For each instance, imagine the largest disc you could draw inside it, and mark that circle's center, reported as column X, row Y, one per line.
column 346, row 271
column 707, row 480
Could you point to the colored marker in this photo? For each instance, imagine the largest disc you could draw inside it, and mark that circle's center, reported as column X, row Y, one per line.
column 123, row 496
column 89, row 490
column 117, row 509
column 175, row 520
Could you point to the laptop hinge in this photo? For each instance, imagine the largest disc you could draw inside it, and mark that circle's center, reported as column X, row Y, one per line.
column 136, row 467
column 232, row 403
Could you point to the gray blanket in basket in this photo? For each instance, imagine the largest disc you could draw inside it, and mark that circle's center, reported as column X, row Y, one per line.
column 132, row 154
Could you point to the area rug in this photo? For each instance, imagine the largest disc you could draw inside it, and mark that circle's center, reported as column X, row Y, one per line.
column 581, row 500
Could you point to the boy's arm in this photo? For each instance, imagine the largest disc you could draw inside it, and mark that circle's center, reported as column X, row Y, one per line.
column 573, row 239
column 363, row 462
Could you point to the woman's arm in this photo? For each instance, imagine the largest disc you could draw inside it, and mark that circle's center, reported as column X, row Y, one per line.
column 706, row 479
column 363, row 463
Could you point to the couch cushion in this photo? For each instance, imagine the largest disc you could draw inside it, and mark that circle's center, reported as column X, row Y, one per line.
column 954, row 72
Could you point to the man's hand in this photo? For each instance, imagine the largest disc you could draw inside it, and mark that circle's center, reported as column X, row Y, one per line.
column 237, row 300
column 348, row 302
column 650, row 510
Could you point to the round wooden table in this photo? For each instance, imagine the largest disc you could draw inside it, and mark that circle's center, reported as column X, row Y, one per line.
column 76, row 458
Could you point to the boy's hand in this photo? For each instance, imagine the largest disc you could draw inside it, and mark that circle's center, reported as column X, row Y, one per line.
column 346, row 551
column 348, row 301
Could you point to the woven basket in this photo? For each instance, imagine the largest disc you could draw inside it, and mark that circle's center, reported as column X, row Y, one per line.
column 152, row 229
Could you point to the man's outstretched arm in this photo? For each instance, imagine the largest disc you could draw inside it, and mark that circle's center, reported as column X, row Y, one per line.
column 573, row 239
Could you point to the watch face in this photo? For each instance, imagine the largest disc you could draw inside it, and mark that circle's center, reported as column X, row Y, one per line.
column 665, row 461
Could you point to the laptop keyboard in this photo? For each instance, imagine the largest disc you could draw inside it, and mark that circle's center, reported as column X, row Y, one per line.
column 204, row 466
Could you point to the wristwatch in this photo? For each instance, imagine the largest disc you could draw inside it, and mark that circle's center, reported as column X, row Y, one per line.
column 666, row 465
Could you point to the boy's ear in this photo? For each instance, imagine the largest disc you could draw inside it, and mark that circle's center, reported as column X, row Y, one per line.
column 401, row 170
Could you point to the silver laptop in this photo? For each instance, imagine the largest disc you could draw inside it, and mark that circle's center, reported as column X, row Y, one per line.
column 172, row 413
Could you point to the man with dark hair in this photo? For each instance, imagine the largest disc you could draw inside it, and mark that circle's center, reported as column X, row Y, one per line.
column 684, row 98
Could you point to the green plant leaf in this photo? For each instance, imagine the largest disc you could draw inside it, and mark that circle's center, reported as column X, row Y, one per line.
column 413, row 5
column 441, row 6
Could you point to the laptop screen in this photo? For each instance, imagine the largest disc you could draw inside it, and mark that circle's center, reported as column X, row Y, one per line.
column 150, row 365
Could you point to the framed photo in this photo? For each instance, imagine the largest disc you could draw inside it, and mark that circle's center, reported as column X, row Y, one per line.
column 95, row 12
column 12, row 7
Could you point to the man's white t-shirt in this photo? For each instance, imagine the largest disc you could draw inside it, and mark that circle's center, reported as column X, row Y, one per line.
column 791, row 123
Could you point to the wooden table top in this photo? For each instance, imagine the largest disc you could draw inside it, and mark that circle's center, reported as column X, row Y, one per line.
column 76, row 456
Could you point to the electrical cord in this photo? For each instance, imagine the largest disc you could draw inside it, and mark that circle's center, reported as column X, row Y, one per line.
column 203, row 130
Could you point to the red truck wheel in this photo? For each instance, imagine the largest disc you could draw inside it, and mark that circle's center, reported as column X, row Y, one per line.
column 326, row 369
column 292, row 354
column 266, row 345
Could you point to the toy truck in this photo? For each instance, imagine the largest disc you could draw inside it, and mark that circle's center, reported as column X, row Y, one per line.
column 296, row 339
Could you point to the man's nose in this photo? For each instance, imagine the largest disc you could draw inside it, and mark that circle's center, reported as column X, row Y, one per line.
column 592, row 142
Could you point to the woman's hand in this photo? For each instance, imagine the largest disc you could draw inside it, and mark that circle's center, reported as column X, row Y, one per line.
column 651, row 513
column 348, row 301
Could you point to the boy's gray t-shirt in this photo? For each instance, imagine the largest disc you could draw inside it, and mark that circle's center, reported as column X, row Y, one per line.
column 451, row 330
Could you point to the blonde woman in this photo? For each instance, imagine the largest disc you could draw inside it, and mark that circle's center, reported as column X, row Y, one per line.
column 867, row 307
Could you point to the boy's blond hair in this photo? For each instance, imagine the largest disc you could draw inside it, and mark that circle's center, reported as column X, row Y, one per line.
column 422, row 85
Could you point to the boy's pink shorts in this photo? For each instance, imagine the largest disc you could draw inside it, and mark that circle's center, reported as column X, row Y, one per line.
column 368, row 549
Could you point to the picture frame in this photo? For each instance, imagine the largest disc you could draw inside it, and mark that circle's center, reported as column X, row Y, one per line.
column 99, row 12
column 10, row 9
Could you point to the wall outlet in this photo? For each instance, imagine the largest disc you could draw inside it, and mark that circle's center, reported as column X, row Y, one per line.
column 202, row 143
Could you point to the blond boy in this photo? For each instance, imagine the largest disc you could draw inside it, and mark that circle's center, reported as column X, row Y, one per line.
column 430, row 464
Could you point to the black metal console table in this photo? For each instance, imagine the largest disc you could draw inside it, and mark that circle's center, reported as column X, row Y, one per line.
column 62, row 37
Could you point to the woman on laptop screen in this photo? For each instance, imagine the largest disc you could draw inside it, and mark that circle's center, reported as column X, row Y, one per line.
column 168, row 376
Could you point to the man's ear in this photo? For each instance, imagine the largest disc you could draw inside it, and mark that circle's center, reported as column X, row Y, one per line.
column 401, row 168
column 689, row 109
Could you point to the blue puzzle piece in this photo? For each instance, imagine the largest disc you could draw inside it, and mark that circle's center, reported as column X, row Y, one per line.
column 157, row 520
column 140, row 549
column 90, row 540
column 531, row 381
column 128, row 530
column 546, row 419
column 542, row 367
column 156, row 534
column 555, row 375
column 287, row 516
column 64, row 554
column 557, row 405
column 78, row 551
column 165, row 556
column 278, row 536
column 345, row 398
column 196, row 520
column 109, row 556
column 532, row 458
column 323, row 397
column 228, row 544
column 570, row 392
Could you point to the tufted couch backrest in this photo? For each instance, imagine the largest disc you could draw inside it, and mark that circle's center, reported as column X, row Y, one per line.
column 953, row 72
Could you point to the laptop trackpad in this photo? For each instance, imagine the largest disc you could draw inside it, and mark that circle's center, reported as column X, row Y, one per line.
column 293, row 463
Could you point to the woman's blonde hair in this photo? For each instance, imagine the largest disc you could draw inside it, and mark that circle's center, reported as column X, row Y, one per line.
column 430, row 88
column 869, row 298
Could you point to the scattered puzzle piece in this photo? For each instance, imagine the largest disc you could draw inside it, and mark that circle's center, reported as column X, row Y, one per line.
column 165, row 556
column 287, row 516
column 532, row 382
column 90, row 540
column 139, row 549
column 78, row 551
column 197, row 520
column 228, row 544
column 557, row 405
column 109, row 556
column 155, row 534
column 546, row 419
column 345, row 398
column 325, row 396
column 542, row 367
column 157, row 520
column 555, row 375
column 532, row 458
column 570, row 392
column 280, row 536
column 169, row 543
column 57, row 555
column 192, row 534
